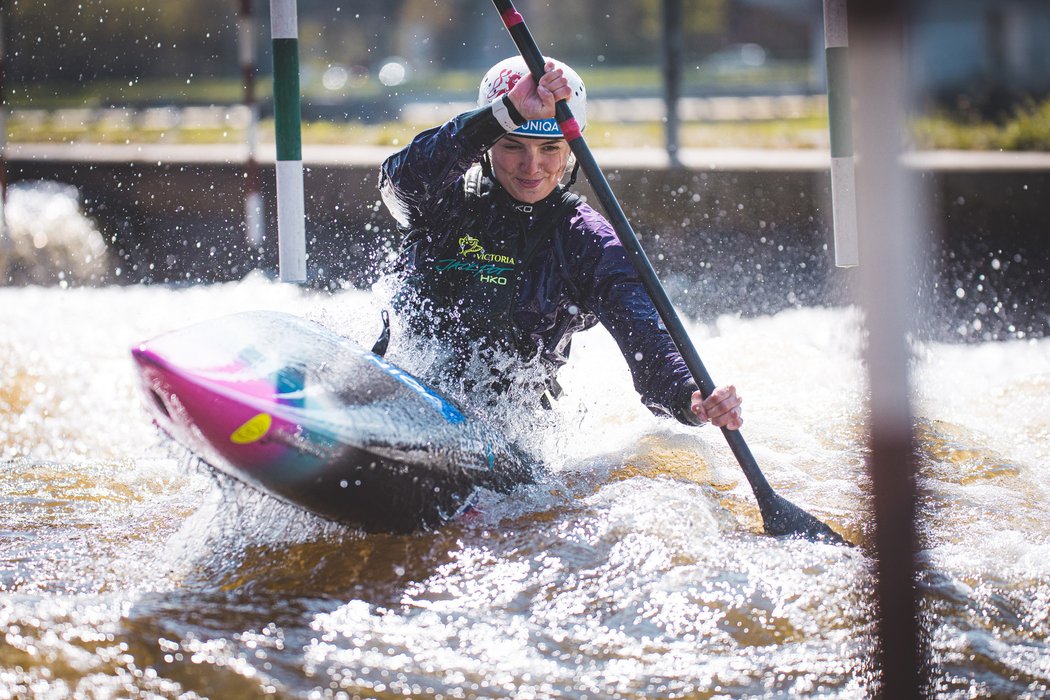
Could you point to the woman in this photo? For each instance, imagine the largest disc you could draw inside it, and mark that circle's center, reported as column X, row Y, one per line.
column 500, row 259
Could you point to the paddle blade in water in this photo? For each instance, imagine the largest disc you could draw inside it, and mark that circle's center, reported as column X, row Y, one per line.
column 782, row 518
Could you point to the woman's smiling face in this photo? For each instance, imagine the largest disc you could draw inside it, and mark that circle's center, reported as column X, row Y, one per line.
column 529, row 169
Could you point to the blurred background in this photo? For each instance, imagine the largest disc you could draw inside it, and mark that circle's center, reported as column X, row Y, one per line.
column 371, row 62
column 143, row 110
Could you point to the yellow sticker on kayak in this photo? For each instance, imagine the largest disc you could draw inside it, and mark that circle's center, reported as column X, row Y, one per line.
column 253, row 429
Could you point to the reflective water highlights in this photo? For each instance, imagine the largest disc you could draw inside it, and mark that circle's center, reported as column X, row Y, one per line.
column 635, row 569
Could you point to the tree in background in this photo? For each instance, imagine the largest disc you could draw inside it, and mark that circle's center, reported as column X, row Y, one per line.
column 59, row 42
column 66, row 42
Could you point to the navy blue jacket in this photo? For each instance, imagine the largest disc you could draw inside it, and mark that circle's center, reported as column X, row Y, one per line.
column 480, row 268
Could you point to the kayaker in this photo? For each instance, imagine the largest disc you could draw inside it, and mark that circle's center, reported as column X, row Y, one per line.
column 499, row 258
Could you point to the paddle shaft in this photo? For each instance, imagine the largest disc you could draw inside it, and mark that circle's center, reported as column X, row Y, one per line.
column 522, row 37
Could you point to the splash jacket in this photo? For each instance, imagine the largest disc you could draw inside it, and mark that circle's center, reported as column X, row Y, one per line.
column 483, row 270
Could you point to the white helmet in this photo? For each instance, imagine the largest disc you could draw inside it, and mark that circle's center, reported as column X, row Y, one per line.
column 503, row 76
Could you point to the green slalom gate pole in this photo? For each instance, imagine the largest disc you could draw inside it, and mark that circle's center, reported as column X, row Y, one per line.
column 291, row 215
column 843, row 187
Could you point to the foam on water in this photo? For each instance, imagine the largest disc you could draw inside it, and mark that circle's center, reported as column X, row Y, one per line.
column 634, row 568
column 47, row 239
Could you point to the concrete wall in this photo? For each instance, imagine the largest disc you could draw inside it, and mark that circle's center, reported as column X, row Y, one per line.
column 752, row 241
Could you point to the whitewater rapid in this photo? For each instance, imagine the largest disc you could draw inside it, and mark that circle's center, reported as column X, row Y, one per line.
column 635, row 568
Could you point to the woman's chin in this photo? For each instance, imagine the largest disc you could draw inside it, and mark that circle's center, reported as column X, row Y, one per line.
column 530, row 195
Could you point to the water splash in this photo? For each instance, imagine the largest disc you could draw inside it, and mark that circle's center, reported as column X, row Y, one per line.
column 634, row 569
column 50, row 241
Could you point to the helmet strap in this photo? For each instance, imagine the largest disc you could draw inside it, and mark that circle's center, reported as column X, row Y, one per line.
column 575, row 172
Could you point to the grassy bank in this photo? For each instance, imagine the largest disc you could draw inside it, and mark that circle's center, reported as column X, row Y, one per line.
column 797, row 133
column 1027, row 129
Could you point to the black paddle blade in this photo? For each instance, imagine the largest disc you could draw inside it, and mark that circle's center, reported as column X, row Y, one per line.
column 782, row 518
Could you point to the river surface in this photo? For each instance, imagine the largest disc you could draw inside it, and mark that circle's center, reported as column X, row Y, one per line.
column 636, row 568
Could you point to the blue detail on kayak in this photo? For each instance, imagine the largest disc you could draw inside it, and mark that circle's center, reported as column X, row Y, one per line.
column 450, row 412
column 288, row 386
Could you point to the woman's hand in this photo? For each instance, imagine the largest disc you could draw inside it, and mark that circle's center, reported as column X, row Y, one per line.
column 537, row 101
column 721, row 408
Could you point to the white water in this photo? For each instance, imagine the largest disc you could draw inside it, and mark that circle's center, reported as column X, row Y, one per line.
column 637, row 569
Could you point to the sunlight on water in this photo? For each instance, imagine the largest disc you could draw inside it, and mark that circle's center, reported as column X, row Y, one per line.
column 635, row 567
column 984, row 433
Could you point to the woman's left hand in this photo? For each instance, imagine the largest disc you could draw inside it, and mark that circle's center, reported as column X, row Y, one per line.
column 722, row 408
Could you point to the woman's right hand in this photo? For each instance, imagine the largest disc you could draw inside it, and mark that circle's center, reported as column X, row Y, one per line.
column 537, row 102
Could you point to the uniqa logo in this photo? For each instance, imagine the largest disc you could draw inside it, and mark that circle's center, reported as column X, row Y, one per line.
column 540, row 126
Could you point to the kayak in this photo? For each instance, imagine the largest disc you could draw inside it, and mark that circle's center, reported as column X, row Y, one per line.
column 297, row 411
